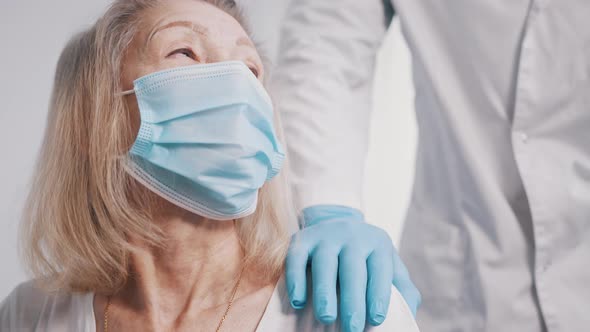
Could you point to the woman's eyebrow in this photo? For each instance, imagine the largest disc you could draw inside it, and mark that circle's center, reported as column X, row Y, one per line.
column 200, row 29
column 243, row 41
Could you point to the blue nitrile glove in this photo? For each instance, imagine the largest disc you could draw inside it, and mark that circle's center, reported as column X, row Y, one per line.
column 340, row 244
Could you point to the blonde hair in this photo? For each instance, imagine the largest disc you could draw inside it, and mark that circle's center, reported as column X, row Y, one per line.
column 82, row 204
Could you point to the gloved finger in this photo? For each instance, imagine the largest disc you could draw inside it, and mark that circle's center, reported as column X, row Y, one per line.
column 401, row 280
column 380, row 273
column 295, row 272
column 324, row 272
column 352, row 273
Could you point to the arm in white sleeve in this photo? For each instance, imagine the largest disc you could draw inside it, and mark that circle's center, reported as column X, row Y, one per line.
column 322, row 88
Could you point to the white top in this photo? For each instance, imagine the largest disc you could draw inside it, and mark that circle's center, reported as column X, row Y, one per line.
column 29, row 309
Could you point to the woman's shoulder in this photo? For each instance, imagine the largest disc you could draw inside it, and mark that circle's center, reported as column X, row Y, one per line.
column 28, row 308
column 399, row 315
column 279, row 315
column 22, row 306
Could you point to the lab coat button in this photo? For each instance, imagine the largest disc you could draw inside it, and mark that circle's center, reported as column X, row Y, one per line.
column 542, row 268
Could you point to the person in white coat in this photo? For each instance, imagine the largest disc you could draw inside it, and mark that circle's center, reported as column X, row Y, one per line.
column 497, row 236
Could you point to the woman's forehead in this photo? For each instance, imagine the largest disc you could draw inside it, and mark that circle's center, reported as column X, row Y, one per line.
column 198, row 16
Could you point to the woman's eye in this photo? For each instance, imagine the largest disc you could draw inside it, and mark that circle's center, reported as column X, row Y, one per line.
column 183, row 52
column 254, row 71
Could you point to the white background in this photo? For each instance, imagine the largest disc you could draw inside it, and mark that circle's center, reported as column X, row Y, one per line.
column 32, row 34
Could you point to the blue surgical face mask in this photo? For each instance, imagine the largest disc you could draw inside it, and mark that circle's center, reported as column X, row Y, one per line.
column 206, row 141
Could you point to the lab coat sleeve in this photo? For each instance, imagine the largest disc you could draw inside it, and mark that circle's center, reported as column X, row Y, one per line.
column 322, row 88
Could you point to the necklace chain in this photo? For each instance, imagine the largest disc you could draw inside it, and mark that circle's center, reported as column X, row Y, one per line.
column 229, row 305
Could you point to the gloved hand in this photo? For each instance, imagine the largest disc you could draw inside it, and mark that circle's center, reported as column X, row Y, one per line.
column 341, row 245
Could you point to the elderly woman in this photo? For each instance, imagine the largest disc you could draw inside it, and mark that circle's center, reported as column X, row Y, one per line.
column 152, row 208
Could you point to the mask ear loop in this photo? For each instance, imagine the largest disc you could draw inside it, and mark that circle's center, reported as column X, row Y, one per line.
column 124, row 159
column 125, row 93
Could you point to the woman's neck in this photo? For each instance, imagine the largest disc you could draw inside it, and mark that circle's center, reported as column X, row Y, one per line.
column 195, row 272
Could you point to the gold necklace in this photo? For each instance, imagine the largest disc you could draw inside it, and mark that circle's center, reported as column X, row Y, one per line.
column 231, row 301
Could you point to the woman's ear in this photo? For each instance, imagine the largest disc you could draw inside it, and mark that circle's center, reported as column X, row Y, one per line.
column 133, row 117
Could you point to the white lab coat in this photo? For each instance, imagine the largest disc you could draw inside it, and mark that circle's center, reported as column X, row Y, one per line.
column 497, row 236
